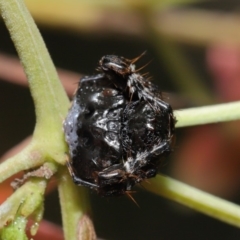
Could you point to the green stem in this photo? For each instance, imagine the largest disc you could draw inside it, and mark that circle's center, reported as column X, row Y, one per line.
column 50, row 100
column 15, row 230
column 51, row 105
column 29, row 158
column 208, row 114
column 23, row 201
column 195, row 199
column 41, row 73
column 74, row 206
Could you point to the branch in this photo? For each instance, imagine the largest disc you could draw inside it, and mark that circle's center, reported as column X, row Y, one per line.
column 196, row 199
column 208, row 114
column 50, row 100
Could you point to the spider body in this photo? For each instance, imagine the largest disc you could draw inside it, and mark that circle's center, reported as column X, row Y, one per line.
column 117, row 129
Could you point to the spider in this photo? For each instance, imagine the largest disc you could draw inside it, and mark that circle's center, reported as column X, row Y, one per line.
column 117, row 128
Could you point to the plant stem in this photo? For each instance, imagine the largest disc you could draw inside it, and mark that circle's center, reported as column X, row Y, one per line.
column 29, row 157
column 208, row 114
column 50, row 100
column 74, row 206
column 195, row 199
column 15, row 230
column 23, row 201
column 51, row 105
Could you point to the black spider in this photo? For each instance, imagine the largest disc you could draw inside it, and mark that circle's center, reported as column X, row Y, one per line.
column 117, row 129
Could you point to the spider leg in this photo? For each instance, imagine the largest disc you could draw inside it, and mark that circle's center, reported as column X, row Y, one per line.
column 78, row 180
column 143, row 158
column 114, row 171
column 136, row 83
column 91, row 78
column 164, row 146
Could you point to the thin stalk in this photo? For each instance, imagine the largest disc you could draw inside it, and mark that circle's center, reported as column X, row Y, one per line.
column 50, row 100
column 51, row 105
column 208, row 114
column 24, row 201
column 74, row 207
column 196, row 199
column 28, row 158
